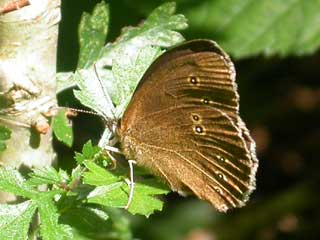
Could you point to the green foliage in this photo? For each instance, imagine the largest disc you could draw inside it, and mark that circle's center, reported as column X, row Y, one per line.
column 93, row 93
column 247, row 28
column 5, row 134
column 92, row 34
column 62, row 128
column 98, row 176
column 111, row 187
column 128, row 71
column 50, row 228
column 144, row 201
column 47, row 175
column 88, row 152
column 64, row 81
column 136, row 48
column 89, row 201
column 67, row 195
column 112, row 191
column 92, row 190
column 269, row 27
column 157, row 30
column 94, row 222
column 110, row 78
column 12, row 181
column 15, row 220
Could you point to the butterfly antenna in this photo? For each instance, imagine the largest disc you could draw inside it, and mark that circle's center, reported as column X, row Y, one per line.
column 81, row 111
column 108, row 121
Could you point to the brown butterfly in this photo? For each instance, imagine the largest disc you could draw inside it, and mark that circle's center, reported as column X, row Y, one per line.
column 183, row 125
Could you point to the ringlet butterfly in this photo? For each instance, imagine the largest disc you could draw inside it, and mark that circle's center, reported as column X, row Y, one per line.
column 183, row 125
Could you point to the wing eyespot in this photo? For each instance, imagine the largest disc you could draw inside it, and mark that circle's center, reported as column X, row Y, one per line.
column 221, row 159
column 195, row 117
column 218, row 190
column 194, row 80
column 198, row 129
column 220, row 175
column 205, row 101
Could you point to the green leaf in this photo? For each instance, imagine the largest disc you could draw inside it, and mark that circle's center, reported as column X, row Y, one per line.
column 50, row 228
column 47, row 175
column 15, row 220
column 93, row 92
column 116, row 195
column 157, row 30
column 128, row 70
column 144, row 201
column 120, row 224
column 92, row 34
column 62, row 128
column 246, row 28
column 136, row 48
column 87, row 221
column 12, row 181
column 100, row 224
column 97, row 175
column 112, row 191
column 88, row 152
column 5, row 134
column 112, row 195
column 65, row 80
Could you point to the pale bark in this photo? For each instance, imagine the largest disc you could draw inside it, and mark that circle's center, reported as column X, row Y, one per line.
column 28, row 45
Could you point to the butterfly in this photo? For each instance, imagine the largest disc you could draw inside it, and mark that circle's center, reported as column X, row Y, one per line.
column 183, row 125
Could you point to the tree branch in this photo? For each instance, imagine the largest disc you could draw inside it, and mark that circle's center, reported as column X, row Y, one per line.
column 28, row 44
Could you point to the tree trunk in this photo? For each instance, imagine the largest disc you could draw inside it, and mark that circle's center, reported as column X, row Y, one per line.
column 28, row 45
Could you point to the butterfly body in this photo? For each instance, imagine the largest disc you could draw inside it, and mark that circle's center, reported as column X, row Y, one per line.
column 183, row 125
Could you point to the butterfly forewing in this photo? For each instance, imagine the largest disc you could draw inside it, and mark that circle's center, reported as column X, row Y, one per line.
column 183, row 125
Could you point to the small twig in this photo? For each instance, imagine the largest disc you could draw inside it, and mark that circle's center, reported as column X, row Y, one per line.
column 13, row 6
column 14, row 123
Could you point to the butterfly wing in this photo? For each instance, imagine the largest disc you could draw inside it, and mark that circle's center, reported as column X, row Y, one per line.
column 183, row 125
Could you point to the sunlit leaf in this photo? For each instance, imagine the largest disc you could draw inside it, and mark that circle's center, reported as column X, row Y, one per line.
column 62, row 128
column 15, row 220
column 92, row 34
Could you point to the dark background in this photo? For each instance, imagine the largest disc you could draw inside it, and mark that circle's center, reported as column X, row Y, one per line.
column 280, row 102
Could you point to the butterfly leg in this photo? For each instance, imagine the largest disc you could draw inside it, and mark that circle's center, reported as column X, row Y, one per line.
column 131, row 183
column 113, row 159
column 110, row 149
